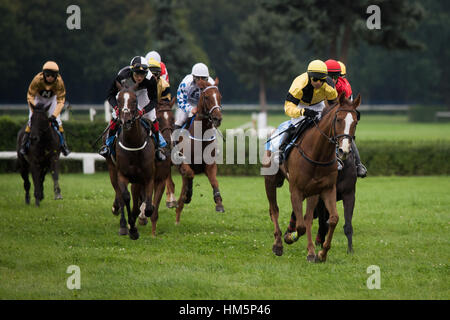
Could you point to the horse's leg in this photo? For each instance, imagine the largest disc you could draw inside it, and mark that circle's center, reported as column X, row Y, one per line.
column 136, row 193
column 171, row 201
column 271, row 192
column 311, row 203
column 211, row 172
column 54, row 169
column 187, row 174
column 149, row 208
column 297, row 203
column 329, row 198
column 322, row 216
column 349, row 205
column 113, row 178
column 159, row 190
column 36, row 175
column 26, row 181
column 124, row 200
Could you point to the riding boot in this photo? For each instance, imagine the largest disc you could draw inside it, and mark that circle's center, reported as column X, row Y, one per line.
column 24, row 145
column 64, row 148
column 361, row 170
column 105, row 150
column 159, row 153
column 287, row 139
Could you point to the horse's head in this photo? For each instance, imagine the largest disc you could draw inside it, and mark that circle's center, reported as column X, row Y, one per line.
column 344, row 124
column 164, row 113
column 39, row 122
column 209, row 103
column 127, row 103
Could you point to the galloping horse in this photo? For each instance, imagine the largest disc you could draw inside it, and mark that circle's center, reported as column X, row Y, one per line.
column 208, row 116
column 134, row 162
column 312, row 171
column 345, row 191
column 162, row 176
column 43, row 154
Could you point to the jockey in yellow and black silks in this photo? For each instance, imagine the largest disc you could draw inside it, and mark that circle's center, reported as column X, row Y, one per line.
column 305, row 98
column 163, row 85
column 47, row 87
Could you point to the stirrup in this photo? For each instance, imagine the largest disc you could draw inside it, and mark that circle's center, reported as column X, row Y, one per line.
column 104, row 151
column 160, row 156
column 361, row 171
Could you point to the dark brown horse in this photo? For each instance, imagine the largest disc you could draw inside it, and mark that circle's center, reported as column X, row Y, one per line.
column 134, row 163
column 195, row 140
column 311, row 170
column 165, row 118
column 43, row 155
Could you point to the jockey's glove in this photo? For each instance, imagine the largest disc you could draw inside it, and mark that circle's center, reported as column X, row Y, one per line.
column 309, row 113
column 52, row 119
column 140, row 112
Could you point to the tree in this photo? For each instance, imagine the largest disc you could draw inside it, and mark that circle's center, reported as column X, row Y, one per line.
column 335, row 27
column 262, row 52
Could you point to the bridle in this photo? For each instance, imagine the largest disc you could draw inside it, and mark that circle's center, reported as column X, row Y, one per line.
column 210, row 111
column 332, row 138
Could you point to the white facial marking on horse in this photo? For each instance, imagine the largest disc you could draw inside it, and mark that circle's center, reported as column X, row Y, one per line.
column 215, row 99
column 126, row 97
column 166, row 115
column 345, row 142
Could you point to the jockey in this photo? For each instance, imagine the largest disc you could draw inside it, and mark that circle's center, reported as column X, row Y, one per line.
column 343, row 86
column 188, row 93
column 163, row 85
column 146, row 94
column 305, row 99
column 47, row 87
column 155, row 55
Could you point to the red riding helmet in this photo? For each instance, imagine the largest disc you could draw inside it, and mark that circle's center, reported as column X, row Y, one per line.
column 334, row 68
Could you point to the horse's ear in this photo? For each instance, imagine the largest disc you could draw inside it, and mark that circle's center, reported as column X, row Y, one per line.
column 357, row 101
column 341, row 98
column 216, row 81
column 172, row 102
column 119, row 86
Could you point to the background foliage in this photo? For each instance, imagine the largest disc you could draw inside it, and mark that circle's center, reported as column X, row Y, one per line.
column 404, row 62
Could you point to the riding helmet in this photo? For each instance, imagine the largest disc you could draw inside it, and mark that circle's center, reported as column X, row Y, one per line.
column 317, row 69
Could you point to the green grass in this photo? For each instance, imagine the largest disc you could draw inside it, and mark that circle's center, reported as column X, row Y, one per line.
column 401, row 224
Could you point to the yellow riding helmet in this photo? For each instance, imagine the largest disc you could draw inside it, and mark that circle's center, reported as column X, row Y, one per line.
column 343, row 69
column 50, row 65
column 152, row 63
column 317, row 69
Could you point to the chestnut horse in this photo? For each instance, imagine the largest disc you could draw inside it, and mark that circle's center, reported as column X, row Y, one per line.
column 134, row 162
column 43, row 154
column 163, row 175
column 196, row 139
column 312, row 172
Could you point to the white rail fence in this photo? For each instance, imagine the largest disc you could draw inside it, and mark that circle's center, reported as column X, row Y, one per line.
column 87, row 158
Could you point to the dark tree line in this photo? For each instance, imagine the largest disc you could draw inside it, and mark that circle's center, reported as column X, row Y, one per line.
column 255, row 47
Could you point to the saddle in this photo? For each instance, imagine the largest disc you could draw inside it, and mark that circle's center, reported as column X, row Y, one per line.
column 295, row 133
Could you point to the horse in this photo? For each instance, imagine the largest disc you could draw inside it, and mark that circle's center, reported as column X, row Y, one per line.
column 345, row 191
column 312, row 172
column 208, row 116
column 134, row 163
column 43, row 154
column 162, row 176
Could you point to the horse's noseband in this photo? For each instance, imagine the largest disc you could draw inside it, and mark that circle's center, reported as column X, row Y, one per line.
column 216, row 106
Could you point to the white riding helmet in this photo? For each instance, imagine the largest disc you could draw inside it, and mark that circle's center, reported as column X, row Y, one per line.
column 200, row 70
column 153, row 54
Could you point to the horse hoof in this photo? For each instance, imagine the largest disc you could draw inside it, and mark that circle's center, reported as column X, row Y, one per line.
column 58, row 197
column 290, row 237
column 311, row 258
column 171, row 204
column 220, row 209
column 321, row 257
column 277, row 250
column 143, row 221
column 27, row 200
column 115, row 211
column 134, row 235
column 350, row 251
column 123, row 231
